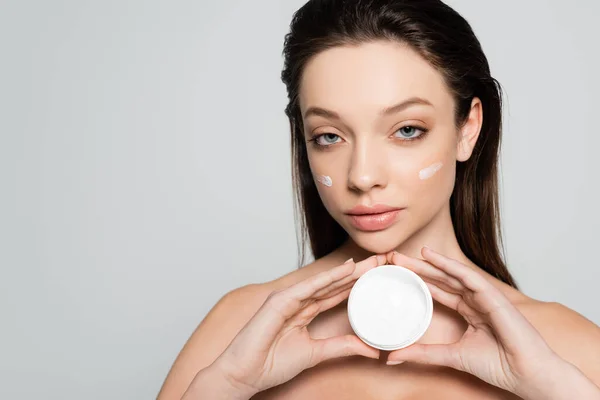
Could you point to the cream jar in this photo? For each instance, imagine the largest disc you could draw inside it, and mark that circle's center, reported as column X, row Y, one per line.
column 390, row 307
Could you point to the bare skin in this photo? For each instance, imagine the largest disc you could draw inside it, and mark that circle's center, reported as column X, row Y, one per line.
column 359, row 377
column 363, row 378
column 370, row 162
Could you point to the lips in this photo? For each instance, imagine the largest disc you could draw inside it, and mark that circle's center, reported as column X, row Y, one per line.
column 374, row 218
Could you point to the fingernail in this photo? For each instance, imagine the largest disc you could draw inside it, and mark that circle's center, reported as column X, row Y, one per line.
column 394, row 362
column 349, row 261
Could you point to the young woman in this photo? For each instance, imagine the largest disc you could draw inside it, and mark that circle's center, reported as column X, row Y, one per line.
column 396, row 126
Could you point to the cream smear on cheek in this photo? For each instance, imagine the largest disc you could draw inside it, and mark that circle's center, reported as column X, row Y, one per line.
column 325, row 180
column 428, row 172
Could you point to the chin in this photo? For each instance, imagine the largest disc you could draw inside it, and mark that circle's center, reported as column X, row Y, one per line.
column 379, row 242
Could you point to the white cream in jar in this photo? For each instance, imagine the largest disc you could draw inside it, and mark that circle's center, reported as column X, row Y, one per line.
column 390, row 307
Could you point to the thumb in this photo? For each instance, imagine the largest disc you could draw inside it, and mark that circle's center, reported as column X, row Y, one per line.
column 341, row 346
column 433, row 354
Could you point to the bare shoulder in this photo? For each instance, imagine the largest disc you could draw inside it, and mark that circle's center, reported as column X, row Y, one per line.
column 222, row 323
column 211, row 337
column 571, row 335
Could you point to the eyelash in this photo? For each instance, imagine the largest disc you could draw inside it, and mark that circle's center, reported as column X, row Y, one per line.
column 424, row 133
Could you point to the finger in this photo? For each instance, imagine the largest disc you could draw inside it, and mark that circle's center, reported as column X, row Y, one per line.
column 310, row 312
column 469, row 278
column 390, row 257
column 483, row 295
column 289, row 301
column 342, row 282
column 334, row 300
column 427, row 271
column 479, row 293
column 369, row 263
column 281, row 305
column 445, row 355
column 504, row 321
column 334, row 291
column 454, row 302
column 325, row 302
column 450, row 300
column 316, row 307
column 308, row 287
column 490, row 304
column 361, row 267
column 340, row 346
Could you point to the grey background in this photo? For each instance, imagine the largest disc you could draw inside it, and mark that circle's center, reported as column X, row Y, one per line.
column 144, row 166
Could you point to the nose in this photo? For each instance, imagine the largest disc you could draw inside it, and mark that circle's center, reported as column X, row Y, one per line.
column 367, row 167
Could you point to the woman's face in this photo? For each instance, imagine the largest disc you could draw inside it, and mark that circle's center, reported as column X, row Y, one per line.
column 380, row 130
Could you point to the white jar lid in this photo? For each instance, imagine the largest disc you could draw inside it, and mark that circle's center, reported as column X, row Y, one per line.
column 390, row 307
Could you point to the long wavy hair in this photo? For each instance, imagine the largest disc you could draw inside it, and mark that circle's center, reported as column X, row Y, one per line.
column 446, row 40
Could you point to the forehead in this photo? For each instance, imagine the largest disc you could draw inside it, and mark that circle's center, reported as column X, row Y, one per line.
column 370, row 76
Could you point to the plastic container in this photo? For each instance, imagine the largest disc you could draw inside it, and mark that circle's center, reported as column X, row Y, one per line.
column 390, row 307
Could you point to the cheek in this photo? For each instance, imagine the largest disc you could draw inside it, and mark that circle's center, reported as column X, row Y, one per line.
column 328, row 178
column 426, row 180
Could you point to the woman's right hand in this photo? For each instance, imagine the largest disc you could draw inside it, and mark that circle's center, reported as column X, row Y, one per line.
column 275, row 345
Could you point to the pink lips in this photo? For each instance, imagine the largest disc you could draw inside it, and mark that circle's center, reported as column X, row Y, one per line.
column 373, row 218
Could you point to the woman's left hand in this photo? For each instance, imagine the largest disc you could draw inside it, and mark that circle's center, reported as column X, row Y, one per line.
column 500, row 346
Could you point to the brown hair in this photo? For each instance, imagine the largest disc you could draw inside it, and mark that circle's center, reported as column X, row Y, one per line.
column 445, row 39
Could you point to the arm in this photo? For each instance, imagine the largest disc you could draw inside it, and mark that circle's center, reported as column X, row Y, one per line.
column 211, row 383
column 564, row 381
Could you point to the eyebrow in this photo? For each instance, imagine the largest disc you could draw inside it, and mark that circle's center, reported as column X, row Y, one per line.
column 322, row 112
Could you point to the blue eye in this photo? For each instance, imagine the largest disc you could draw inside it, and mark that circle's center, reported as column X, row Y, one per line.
column 327, row 139
column 407, row 132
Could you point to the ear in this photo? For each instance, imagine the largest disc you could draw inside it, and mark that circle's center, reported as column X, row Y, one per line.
column 469, row 132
